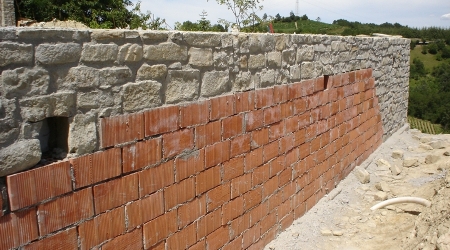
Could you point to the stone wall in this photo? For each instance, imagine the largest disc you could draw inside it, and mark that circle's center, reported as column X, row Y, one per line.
column 7, row 13
column 208, row 139
column 87, row 75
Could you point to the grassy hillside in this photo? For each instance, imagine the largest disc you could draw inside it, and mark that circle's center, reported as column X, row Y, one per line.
column 428, row 59
column 308, row 26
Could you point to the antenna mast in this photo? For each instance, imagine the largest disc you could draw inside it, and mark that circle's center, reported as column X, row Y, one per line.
column 297, row 6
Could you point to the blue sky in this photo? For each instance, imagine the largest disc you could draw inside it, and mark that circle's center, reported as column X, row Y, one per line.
column 414, row 13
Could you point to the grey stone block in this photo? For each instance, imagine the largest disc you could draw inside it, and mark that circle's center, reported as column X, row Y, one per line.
column 19, row 156
column 38, row 108
column 167, row 51
column 58, row 53
column 99, row 53
column 202, row 39
column 25, row 82
column 215, row 83
column 182, row 85
column 83, row 134
column 155, row 72
column 141, row 95
column 15, row 53
column 200, row 57
column 130, row 53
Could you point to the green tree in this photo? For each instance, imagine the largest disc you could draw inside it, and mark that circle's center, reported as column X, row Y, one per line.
column 95, row 14
column 244, row 11
column 432, row 48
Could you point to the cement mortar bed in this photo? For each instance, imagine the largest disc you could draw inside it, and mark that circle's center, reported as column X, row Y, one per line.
column 343, row 219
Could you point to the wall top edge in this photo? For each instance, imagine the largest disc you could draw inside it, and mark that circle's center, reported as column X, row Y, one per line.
column 99, row 34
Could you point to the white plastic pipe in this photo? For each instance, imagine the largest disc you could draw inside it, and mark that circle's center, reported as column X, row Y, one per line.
column 397, row 200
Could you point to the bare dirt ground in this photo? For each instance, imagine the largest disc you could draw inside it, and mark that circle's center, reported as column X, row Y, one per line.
column 407, row 164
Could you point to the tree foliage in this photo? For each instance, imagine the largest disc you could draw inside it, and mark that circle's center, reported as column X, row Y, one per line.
column 244, row 12
column 429, row 95
column 201, row 25
column 96, row 14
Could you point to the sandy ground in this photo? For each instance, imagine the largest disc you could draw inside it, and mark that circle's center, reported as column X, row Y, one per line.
column 343, row 219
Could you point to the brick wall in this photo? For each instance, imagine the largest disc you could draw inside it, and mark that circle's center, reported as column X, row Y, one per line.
column 224, row 172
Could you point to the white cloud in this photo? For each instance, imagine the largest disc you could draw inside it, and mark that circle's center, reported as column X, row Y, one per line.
column 446, row 16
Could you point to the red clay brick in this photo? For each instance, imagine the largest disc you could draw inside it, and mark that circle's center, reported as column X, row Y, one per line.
column 271, row 151
column 221, row 107
column 276, row 131
column 260, row 174
column 191, row 211
column 252, row 235
column 241, row 185
column 144, row 210
column 264, row 97
column 158, row 229
column 232, row 210
column 67, row 239
column 191, row 164
column 245, row 101
column 182, row 239
column 208, row 134
column 194, row 114
column 285, row 177
column 270, row 187
column 307, row 87
column 121, row 129
column 287, row 143
column 287, row 221
column 97, row 167
column 18, row 228
column 294, row 91
column 260, row 138
column 299, row 106
column 304, row 120
column 33, row 186
column 351, row 77
column 268, row 222
column 218, row 196
column 287, row 109
column 272, row 115
column 239, row 225
column 177, row 142
column 141, row 154
column 291, row 124
column 277, row 165
column 156, row 178
column 240, row 145
column 275, row 200
column 199, row 245
column 232, row 126
column 233, row 168
column 131, row 240
column 65, row 211
column 103, row 227
column 280, row 93
column 161, row 120
column 115, row 193
column 179, row 193
column 252, row 198
column 217, row 153
column 233, row 245
column 1, row 206
column 217, row 238
column 257, row 213
column 209, row 223
column 254, row 120
column 253, row 159
column 299, row 137
column 207, row 180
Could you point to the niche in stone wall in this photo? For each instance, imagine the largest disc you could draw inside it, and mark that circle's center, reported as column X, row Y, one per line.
column 53, row 137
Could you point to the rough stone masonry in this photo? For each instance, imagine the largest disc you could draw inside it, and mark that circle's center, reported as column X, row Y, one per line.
column 67, row 80
column 7, row 14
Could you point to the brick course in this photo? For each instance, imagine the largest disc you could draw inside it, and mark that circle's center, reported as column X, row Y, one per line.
column 231, row 171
